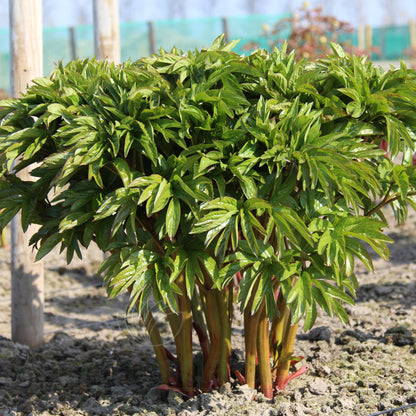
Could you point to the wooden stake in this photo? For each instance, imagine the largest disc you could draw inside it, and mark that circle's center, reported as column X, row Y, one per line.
column 107, row 30
column 225, row 29
column 412, row 33
column 368, row 37
column 72, row 42
column 152, row 43
column 27, row 276
column 361, row 37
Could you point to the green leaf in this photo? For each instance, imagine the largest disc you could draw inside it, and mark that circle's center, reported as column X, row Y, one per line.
column 47, row 245
column 173, row 217
column 123, row 170
column 227, row 204
column 286, row 219
column 227, row 272
column 359, row 250
column 378, row 245
column 192, row 271
column 352, row 93
column 301, row 290
column 310, row 316
column 229, row 232
column 188, row 190
column 56, row 108
column 147, row 142
column 247, row 223
column 257, row 203
column 392, row 138
column 126, row 210
column 161, row 198
column 341, row 312
column 193, row 112
column 337, row 49
column 88, row 121
column 320, row 297
column 213, row 220
column 402, row 180
column 35, row 147
column 74, row 219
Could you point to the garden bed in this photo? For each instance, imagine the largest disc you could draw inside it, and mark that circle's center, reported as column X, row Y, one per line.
column 95, row 361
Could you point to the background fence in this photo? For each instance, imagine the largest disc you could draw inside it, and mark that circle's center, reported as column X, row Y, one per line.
column 142, row 38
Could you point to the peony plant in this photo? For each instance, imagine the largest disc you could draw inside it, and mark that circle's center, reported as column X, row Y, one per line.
column 213, row 181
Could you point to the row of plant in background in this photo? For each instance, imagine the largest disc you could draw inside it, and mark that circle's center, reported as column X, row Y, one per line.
column 214, row 180
column 309, row 32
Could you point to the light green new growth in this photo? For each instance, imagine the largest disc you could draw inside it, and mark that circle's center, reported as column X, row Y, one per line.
column 215, row 179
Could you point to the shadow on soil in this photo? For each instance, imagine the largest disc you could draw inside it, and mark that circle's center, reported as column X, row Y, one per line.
column 399, row 283
column 90, row 375
column 403, row 250
column 403, row 294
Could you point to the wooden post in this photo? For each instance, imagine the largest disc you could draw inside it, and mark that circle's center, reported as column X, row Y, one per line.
column 368, row 38
column 107, row 30
column 225, row 29
column 72, row 43
column 152, row 44
column 361, row 37
column 27, row 276
column 412, row 33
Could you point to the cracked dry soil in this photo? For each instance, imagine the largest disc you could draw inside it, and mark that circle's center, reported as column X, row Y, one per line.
column 97, row 361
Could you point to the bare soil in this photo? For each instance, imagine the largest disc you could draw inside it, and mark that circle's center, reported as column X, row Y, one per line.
column 98, row 361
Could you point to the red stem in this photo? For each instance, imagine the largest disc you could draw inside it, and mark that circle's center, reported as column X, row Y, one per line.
column 240, row 378
column 297, row 373
column 283, row 366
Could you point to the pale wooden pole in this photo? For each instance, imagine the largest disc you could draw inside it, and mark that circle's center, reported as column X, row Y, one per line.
column 412, row 33
column 27, row 276
column 368, row 38
column 107, row 30
column 107, row 33
column 361, row 37
column 151, row 37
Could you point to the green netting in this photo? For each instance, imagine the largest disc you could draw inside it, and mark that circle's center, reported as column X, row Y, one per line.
column 392, row 42
column 134, row 39
column 250, row 29
column 185, row 34
column 348, row 39
column 84, row 41
column 4, row 60
column 56, row 47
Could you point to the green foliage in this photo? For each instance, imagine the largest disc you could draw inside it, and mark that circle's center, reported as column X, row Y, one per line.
column 192, row 169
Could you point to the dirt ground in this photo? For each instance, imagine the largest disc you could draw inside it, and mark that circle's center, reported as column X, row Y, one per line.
column 97, row 361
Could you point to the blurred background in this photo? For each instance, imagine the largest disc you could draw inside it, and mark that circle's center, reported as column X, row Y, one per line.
column 383, row 29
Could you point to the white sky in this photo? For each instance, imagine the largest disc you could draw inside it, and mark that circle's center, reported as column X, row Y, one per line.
column 372, row 12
